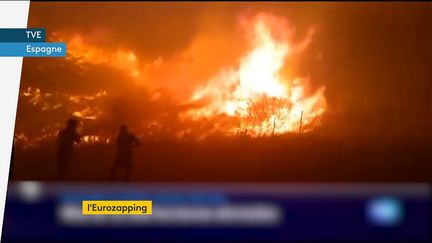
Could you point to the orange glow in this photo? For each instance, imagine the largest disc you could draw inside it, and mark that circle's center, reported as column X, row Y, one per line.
column 91, row 139
column 258, row 95
column 264, row 102
column 80, row 106
column 82, row 53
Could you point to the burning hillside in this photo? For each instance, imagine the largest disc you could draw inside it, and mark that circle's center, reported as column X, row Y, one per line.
column 258, row 95
column 255, row 94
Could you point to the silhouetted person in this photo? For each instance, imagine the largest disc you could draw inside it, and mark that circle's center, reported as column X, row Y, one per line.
column 125, row 142
column 65, row 143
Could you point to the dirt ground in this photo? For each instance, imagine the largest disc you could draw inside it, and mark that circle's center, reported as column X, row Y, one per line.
column 240, row 159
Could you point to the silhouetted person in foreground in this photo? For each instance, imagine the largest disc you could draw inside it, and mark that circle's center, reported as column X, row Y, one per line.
column 65, row 143
column 125, row 142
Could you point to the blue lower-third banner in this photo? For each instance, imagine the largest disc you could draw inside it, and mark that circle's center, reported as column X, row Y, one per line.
column 16, row 49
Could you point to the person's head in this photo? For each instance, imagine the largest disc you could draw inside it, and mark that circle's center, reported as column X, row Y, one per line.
column 123, row 128
column 72, row 123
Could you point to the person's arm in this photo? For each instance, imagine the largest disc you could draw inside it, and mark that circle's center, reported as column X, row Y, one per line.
column 77, row 138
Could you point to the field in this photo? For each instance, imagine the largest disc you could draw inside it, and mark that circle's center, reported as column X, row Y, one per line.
column 242, row 159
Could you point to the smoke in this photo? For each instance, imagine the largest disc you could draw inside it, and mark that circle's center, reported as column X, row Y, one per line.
column 150, row 93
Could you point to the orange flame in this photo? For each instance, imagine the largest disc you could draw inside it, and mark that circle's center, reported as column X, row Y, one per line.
column 78, row 105
column 83, row 52
column 256, row 97
column 264, row 102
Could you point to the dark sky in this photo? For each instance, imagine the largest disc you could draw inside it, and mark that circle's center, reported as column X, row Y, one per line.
column 376, row 57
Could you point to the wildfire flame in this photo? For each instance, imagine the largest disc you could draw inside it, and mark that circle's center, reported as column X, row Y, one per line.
column 81, row 106
column 256, row 97
column 264, row 102
column 83, row 53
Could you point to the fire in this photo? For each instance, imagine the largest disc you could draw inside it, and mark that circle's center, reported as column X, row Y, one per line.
column 94, row 139
column 261, row 95
column 81, row 106
column 256, row 94
column 82, row 52
column 58, row 106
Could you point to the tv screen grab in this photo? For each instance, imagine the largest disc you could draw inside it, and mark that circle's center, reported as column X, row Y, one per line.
column 215, row 121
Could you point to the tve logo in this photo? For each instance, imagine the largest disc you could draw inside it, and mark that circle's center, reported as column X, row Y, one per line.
column 22, row 35
column 34, row 34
